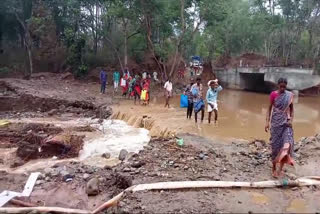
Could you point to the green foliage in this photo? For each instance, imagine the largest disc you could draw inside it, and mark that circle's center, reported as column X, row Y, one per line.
column 81, row 71
column 4, row 70
column 94, row 32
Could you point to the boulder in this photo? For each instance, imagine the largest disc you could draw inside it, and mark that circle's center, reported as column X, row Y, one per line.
column 93, row 187
column 106, row 155
column 123, row 154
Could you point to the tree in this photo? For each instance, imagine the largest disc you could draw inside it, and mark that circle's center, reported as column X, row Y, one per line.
column 22, row 11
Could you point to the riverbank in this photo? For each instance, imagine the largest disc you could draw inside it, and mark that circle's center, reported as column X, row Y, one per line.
column 72, row 180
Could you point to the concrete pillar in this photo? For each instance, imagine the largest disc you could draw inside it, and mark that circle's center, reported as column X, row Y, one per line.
column 296, row 96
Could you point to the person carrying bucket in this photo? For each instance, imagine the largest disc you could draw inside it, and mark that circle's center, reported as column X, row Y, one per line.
column 190, row 98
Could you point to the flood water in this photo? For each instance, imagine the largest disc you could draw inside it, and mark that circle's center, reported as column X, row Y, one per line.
column 242, row 115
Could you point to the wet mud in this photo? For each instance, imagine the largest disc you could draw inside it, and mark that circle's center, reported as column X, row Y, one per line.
column 79, row 143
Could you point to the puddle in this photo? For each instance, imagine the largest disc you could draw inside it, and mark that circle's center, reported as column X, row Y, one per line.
column 259, row 198
column 297, row 206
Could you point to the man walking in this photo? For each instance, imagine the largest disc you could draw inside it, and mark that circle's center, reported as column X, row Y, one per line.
column 168, row 92
column 103, row 81
column 198, row 103
column 116, row 80
column 212, row 97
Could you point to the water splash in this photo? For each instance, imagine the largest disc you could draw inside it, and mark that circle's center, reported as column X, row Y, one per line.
column 117, row 135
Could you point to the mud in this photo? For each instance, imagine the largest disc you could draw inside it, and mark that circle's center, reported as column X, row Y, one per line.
column 205, row 155
column 41, row 96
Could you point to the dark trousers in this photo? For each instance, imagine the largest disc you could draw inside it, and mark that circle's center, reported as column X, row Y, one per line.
column 103, row 87
column 190, row 109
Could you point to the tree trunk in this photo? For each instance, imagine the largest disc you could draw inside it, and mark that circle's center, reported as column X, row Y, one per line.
column 116, row 51
column 28, row 75
column 183, row 29
column 125, row 24
column 28, row 45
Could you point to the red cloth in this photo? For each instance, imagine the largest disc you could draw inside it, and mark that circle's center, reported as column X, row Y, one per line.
column 138, row 90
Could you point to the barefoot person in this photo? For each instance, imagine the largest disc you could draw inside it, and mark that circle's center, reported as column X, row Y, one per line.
column 103, row 81
column 116, row 80
column 190, row 99
column 280, row 112
column 212, row 97
column 198, row 103
column 168, row 92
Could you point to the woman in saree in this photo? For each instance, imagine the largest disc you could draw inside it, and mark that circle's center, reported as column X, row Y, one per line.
column 280, row 116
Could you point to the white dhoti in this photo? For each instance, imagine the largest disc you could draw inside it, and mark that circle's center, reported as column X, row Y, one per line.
column 212, row 106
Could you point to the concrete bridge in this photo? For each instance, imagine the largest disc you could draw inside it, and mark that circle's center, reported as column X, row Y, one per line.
column 264, row 79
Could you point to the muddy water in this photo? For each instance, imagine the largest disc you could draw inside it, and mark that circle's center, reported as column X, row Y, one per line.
column 241, row 115
column 110, row 137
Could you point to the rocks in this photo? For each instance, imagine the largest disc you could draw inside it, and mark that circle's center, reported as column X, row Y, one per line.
column 106, row 155
column 92, row 187
column 64, row 173
column 203, row 156
column 48, row 171
column 137, row 164
column 126, row 169
column 39, row 182
column 52, row 112
column 85, row 176
column 123, row 154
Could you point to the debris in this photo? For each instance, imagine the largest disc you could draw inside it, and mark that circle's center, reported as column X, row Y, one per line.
column 21, row 203
column 6, row 196
column 68, row 177
column 4, row 123
column 179, row 141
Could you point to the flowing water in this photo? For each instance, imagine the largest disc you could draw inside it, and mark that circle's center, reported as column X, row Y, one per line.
column 110, row 137
column 241, row 115
column 116, row 135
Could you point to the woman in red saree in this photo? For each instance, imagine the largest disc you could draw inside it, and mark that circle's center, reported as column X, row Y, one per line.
column 280, row 116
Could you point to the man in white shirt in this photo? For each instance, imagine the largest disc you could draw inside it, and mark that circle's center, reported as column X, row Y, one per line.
column 168, row 92
column 144, row 75
column 155, row 76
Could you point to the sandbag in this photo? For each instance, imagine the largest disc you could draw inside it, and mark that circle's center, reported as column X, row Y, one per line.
column 183, row 101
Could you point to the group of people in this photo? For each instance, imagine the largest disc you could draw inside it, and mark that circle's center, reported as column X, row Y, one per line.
column 134, row 86
column 196, row 101
column 279, row 115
